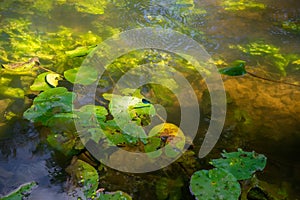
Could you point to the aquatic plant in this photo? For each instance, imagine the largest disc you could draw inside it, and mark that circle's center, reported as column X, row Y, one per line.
column 214, row 184
column 269, row 52
column 237, row 68
column 222, row 181
column 21, row 192
column 239, row 5
column 292, row 26
column 84, row 175
column 167, row 188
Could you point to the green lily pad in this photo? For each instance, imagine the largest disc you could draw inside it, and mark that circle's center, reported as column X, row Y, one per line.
column 67, row 143
column 118, row 195
column 241, row 164
column 215, row 184
column 40, row 83
column 152, row 148
column 237, row 68
column 20, row 193
column 53, row 78
column 127, row 109
column 87, row 76
column 91, row 115
column 84, row 175
column 49, row 103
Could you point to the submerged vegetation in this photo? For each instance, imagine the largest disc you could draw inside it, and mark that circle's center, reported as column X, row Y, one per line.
column 40, row 66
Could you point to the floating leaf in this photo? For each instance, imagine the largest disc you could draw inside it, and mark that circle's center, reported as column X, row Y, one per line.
column 66, row 143
column 87, row 76
column 21, row 192
column 40, row 83
column 118, row 195
column 52, row 79
column 48, row 103
column 237, row 68
column 170, row 135
column 241, row 164
column 127, row 109
column 215, row 184
column 91, row 115
column 84, row 175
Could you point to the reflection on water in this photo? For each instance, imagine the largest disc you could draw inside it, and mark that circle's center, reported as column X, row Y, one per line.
column 24, row 159
column 263, row 116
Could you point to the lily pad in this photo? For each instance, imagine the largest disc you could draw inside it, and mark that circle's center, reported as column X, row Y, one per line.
column 85, row 176
column 53, row 78
column 67, row 143
column 40, row 83
column 127, row 109
column 48, row 103
column 90, row 115
column 241, row 164
column 20, row 193
column 215, row 184
column 237, row 68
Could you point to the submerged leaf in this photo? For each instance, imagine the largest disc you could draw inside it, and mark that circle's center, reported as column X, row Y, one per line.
column 169, row 189
column 238, row 5
column 80, row 51
column 87, row 75
column 241, row 164
column 237, row 68
column 10, row 92
column 90, row 6
column 215, row 184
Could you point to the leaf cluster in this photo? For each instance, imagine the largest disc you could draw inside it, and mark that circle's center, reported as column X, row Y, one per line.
column 222, row 182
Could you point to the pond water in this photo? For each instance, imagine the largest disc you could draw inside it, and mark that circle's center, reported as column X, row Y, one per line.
column 261, row 115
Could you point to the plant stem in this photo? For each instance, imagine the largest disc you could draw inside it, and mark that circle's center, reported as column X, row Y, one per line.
column 275, row 81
